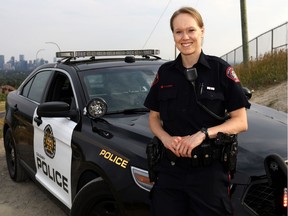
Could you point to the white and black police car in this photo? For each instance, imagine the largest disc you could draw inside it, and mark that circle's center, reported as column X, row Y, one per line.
column 79, row 128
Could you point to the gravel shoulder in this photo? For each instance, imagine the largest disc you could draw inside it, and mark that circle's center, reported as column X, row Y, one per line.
column 274, row 97
column 27, row 199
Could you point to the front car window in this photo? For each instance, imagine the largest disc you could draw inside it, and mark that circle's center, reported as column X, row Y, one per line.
column 61, row 89
column 35, row 87
column 122, row 87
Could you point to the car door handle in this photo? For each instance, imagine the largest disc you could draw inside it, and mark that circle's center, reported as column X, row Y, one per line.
column 38, row 120
column 15, row 108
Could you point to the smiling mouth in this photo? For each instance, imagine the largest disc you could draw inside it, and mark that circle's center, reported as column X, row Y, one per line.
column 186, row 44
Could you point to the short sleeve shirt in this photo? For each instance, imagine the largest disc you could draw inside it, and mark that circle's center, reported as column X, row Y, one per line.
column 217, row 87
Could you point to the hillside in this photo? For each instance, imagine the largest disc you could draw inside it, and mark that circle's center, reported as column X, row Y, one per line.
column 274, row 96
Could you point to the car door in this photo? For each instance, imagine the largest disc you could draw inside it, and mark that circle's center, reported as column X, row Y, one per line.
column 52, row 142
column 30, row 95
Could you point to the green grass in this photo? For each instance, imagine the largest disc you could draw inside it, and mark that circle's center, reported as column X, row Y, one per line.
column 2, row 109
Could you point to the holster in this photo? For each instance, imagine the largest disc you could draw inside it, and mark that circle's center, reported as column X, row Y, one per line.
column 154, row 151
column 229, row 151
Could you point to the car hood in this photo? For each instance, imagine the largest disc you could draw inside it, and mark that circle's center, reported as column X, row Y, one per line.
column 137, row 123
column 267, row 134
column 132, row 130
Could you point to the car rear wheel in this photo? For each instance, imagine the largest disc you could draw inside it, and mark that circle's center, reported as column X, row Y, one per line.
column 16, row 171
column 95, row 199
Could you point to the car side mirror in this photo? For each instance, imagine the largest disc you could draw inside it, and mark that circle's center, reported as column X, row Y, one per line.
column 55, row 109
column 247, row 92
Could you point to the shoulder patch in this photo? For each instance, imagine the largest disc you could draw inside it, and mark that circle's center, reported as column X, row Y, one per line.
column 156, row 80
column 230, row 73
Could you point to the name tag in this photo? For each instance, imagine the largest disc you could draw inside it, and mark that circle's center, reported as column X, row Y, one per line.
column 210, row 88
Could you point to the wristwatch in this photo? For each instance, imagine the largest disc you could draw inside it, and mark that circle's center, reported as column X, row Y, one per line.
column 205, row 131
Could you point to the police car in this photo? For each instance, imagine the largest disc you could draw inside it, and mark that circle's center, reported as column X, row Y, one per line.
column 79, row 128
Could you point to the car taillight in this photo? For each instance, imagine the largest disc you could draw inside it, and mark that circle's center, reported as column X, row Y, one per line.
column 285, row 194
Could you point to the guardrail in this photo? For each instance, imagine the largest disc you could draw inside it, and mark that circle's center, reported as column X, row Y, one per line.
column 274, row 39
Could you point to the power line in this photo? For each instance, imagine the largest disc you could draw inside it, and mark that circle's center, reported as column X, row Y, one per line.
column 156, row 24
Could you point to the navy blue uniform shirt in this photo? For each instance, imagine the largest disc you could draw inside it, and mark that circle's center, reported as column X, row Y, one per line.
column 171, row 94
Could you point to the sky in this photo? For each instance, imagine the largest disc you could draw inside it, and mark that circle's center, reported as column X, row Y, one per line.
column 73, row 25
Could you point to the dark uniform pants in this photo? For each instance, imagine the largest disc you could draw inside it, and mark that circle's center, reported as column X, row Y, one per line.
column 182, row 190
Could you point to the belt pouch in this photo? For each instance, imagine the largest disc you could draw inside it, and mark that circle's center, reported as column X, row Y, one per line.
column 196, row 154
column 206, row 154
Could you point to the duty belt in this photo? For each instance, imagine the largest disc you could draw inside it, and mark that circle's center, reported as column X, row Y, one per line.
column 202, row 155
column 205, row 154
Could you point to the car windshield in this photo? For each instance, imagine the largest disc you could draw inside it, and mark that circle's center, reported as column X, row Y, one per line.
column 123, row 88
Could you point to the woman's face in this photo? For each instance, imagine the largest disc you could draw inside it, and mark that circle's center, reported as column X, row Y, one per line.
column 187, row 34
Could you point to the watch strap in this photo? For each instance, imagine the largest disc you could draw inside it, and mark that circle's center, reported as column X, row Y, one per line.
column 205, row 131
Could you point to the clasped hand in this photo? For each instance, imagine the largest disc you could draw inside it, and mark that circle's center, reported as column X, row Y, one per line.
column 183, row 146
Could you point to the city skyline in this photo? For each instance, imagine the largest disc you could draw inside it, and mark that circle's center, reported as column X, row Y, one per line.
column 20, row 57
column 21, row 64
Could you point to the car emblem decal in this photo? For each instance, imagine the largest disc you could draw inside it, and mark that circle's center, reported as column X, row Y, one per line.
column 114, row 158
column 49, row 142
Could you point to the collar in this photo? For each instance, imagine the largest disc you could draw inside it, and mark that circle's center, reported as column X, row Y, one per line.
column 201, row 61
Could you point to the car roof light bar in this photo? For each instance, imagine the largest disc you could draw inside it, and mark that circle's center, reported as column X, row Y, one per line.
column 117, row 53
column 108, row 53
column 66, row 54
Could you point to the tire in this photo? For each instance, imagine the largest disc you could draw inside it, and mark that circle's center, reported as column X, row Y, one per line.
column 16, row 171
column 95, row 199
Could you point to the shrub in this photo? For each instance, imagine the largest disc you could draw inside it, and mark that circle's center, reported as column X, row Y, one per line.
column 268, row 69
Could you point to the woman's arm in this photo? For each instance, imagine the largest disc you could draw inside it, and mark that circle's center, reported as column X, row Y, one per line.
column 236, row 124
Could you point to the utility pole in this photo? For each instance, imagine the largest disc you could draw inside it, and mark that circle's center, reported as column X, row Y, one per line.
column 244, row 26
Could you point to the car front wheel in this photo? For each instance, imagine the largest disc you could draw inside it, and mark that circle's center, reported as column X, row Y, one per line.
column 95, row 199
column 16, row 171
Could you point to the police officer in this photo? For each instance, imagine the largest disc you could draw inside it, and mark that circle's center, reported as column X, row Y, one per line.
column 181, row 124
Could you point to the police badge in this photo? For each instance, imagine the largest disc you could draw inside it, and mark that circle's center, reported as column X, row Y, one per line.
column 49, row 142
